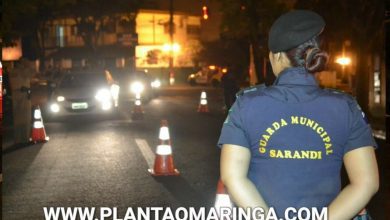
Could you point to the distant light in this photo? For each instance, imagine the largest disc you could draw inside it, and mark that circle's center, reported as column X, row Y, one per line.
column 175, row 47
column 166, row 47
column 224, row 70
column 12, row 53
column 212, row 67
column 60, row 98
column 343, row 61
column 156, row 83
column 205, row 12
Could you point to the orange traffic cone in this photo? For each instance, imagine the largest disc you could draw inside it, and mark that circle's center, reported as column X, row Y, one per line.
column 138, row 111
column 222, row 198
column 363, row 215
column 203, row 107
column 163, row 163
column 38, row 133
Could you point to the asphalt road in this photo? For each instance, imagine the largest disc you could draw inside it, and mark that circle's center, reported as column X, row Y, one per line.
column 103, row 161
column 99, row 161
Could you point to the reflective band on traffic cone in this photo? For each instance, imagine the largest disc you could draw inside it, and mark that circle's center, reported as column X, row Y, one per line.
column 363, row 215
column 138, row 111
column 203, row 107
column 163, row 163
column 38, row 133
column 222, row 198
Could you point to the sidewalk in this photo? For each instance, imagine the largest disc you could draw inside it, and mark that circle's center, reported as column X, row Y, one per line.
column 7, row 137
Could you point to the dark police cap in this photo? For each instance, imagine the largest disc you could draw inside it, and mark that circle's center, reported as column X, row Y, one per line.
column 294, row 28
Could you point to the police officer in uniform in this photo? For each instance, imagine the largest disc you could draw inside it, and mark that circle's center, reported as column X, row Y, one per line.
column 284, row 145
column 21, row 104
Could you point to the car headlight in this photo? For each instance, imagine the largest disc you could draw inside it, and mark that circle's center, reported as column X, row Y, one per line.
column 54, row 108
column 103, row 95
column 60, row 98
column 106, row 105
column 156, row 83
column 137, row 87
column 192, row 76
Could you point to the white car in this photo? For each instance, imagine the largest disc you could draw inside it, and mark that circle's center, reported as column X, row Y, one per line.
column 84, row 93
column 205, row 78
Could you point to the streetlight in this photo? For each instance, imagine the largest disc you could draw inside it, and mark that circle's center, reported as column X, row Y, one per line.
column 343, row 61
column 171, row 73
column 173, row 49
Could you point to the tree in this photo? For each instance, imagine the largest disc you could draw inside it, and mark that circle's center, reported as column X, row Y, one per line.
column 92, row 17
column 28, row 19
column 362, row 23
column 250, row 20
column 232, row 53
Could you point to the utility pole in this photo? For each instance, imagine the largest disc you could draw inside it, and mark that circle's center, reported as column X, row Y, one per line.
column 171, row 29
column 387, row 70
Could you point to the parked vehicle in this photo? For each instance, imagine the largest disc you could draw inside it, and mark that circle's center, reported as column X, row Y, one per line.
column 206, row 76
column 133, row 82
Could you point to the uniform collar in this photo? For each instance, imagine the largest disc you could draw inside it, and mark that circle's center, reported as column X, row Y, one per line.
column 296, row 76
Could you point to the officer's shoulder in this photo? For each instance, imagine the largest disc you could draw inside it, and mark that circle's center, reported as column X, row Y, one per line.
column 251, row 90
column 340, row 95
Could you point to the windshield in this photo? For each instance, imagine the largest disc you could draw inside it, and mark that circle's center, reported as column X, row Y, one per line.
column 82, row 80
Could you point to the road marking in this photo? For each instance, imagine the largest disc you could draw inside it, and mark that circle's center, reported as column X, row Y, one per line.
column 146, row 151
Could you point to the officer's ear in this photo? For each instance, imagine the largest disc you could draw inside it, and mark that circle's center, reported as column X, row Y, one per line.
column 278, row 56
column 275, row 56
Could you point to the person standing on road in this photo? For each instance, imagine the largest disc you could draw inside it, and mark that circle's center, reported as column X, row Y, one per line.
column 284, row 145
column 230, row 88
column 20, row 78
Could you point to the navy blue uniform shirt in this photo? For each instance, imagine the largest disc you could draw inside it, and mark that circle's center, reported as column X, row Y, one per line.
column 297, row 134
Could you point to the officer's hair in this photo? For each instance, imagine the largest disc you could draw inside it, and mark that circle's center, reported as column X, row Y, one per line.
column 308, row 55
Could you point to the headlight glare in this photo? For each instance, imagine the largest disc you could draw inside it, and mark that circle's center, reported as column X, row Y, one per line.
column 106, row 105
column 54, row 108
column 103, row 95
column 156, row 83
column 137, row 87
